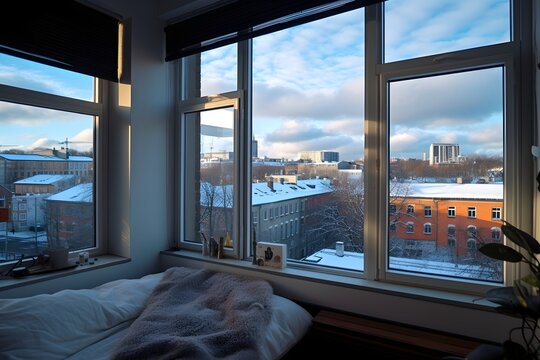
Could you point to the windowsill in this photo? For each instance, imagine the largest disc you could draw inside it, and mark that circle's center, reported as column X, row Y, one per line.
column 9, row 282
column 291, row 271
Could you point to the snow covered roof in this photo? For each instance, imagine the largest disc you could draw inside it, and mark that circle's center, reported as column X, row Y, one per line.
column 36, row 157
column 327, row 257
column 43, row 179
column 448, row 191
column 262, row 194
column 79, row 193
column 355, row 261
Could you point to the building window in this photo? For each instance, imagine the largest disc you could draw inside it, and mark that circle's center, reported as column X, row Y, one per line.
column 471, row 231
column 392, row 226
column 427, row 228
column 271, row 213
column 496, row 213
column 265, row 215
column 495, row 234
column 451, row 242
column 451, row 231
column 410, row 227
column 400, row 96
column 471, row 212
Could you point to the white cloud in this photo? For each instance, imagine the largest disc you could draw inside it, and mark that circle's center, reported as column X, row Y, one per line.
column 425, row 27
column 44, row 79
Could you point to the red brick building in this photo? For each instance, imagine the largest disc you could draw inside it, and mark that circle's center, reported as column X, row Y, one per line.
column 458, row 217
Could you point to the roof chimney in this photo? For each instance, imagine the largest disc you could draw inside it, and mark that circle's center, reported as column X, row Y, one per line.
column 270, row 183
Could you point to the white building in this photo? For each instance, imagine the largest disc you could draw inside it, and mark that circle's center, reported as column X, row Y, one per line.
column 319, row 156
column 443, row 154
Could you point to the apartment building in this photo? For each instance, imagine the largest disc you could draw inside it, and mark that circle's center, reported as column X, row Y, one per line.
column 459, row 219
column 14, row 167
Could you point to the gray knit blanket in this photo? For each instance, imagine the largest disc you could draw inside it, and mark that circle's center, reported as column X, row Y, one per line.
column 200, row 314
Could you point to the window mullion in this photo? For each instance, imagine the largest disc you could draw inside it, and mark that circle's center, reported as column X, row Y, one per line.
column 374, row 217
column 242, row 184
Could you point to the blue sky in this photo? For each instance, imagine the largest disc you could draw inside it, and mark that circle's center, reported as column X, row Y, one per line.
column 308, row 81
column 32, row 127
column 308, row 85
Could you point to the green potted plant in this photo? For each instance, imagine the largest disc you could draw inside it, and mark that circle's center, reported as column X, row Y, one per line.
column 521, row 300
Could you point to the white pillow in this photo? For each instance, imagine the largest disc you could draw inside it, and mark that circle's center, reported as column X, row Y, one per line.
column 61, row 324
column 289, row 323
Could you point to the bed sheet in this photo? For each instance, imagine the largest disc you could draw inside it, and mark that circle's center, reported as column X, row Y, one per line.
column 288, row 325
column 88, row 323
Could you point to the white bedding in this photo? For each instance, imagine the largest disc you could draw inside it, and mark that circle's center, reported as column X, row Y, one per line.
column 83, row 324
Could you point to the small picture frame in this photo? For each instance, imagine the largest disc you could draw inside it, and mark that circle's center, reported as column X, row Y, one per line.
column 271, row 255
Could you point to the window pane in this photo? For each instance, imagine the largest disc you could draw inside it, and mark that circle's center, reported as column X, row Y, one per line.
column 209, row 188
column 219, row 70
column 35, row 76
column 416, row 28
column 47, row 179
column 308, row 138
column 212, row 72
column 446, row 151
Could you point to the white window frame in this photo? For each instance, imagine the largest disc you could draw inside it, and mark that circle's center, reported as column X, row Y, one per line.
column 496, row 213
column 471, row 212
column 378, row 77
column 184, row 206
column 517, row 108
column 410, row 227
column 410, row 209
column 452, row 211
column 428, row 211
column 94, row 108
column 427, row 229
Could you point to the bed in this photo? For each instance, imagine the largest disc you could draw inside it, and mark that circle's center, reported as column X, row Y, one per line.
column 104, row 322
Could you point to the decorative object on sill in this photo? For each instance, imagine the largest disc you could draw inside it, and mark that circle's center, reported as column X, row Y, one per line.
column 213, row 245
column 205, row 245
column 220, row 248
column 254, row 248
column 228, row 241
column 271, row 254
column 523, row 299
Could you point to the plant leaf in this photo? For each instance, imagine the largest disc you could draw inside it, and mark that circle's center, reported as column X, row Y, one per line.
column 521, row 238
column 501, row 252
column 532, row 279
column 521, row 294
